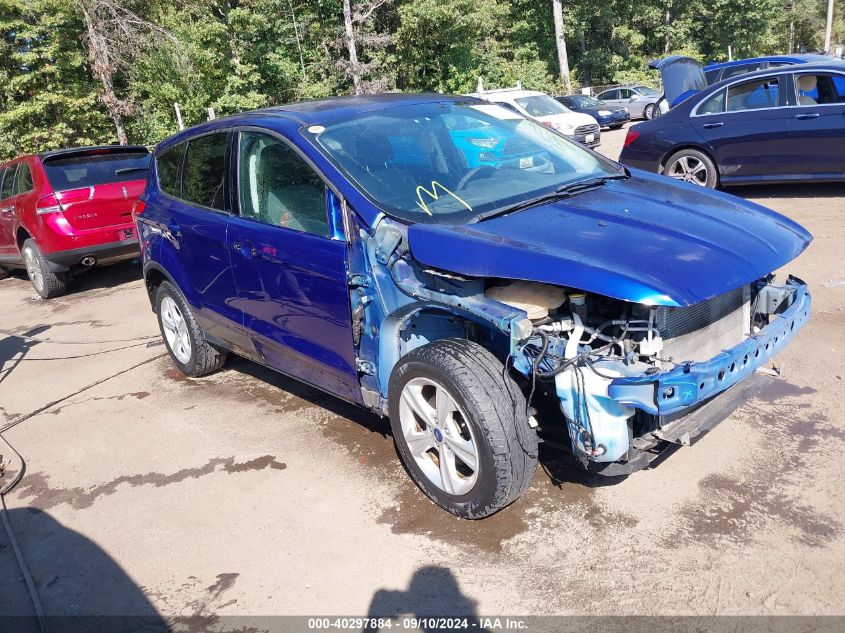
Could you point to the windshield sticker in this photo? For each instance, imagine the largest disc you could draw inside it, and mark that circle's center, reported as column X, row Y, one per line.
column 316, row 129
column 434, row 195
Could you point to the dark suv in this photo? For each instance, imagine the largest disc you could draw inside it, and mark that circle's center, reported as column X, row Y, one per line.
column 66, row 211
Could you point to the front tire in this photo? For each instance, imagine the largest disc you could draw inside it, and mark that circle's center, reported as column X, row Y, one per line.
column 460, row 427
column 183, row 336
column 693, row 166
column 46, row 283
column 650, row 111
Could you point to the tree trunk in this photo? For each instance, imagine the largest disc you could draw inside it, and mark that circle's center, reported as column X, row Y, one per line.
column 350, row 45
column 667, row 39
column 560, row 39
column 99, row 50
column 829, row 27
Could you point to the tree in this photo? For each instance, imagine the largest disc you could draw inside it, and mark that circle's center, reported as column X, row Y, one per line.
column 560, row 39
column 48, row 98
column 116, row 35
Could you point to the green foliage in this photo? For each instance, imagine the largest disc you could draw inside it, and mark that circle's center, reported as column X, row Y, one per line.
column 48, row 98
column 234, row 55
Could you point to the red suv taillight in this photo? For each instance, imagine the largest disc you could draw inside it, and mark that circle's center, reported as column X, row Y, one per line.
column 60, row 201
column 138, row 207
column 48, row 204
column 631, row 136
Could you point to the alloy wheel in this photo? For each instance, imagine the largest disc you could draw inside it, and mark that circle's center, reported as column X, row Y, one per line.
column 175, row 330
column 689, row 169
column 438, row 436
column 33, row 269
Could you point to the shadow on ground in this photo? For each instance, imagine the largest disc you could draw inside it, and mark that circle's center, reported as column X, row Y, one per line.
column 432, row 592
column 81, row 587
column 790, row 190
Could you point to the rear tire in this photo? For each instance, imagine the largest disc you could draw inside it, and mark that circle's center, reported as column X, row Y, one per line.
column 46, row 283
column 4, row 272
column 480, row 454
column 183, row 336
column 693, row 166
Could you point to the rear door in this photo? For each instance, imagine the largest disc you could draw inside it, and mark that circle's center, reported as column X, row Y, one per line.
column 745, row 124
column 289, row 263
column 193, row 214
column 7, row 211
column 817, row 124
column 97, row 187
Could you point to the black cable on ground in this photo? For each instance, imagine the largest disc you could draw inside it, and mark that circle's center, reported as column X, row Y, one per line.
column 50, row 405
column 13, row 541
column 59, row 342
column 27, row 576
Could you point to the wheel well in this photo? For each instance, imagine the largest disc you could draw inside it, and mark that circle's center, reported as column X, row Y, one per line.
column 21, row 237
column 153, row 279
column 697, row 148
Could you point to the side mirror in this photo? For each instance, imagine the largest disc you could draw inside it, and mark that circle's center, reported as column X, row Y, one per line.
column 633, row 98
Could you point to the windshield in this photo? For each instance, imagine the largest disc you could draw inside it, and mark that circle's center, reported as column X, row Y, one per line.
column 542, row 105
column 451, row 162
column 583, row 101
column 648, row 92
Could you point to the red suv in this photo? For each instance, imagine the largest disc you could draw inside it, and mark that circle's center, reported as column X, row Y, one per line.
column 65, row 211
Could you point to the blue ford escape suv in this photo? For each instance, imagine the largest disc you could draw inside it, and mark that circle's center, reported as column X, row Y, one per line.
column 477, row 277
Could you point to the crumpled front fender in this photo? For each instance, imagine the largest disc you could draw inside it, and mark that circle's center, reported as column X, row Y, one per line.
column 686, row 385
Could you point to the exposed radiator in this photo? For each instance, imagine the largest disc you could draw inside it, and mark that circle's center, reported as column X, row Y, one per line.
column 699, row 332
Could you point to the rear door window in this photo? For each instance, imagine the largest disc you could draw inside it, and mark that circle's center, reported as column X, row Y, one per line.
column 610, row 95
column 204, row 172
column 24, row 179
column 8, row 185
column 167, row 166
column 742, row 69
column 754, row 95
column 88, row 170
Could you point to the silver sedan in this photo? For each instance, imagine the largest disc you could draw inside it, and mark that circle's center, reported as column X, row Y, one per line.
column 641, row 101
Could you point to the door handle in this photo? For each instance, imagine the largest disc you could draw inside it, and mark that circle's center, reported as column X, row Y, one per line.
column 808, row 115
column 7, row 209
column 712, row 125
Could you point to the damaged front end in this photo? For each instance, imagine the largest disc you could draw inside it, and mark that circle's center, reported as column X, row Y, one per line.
column 631, row 377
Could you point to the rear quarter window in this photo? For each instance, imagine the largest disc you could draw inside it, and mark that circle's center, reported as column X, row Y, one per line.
column 167, row 166
column 24, row 179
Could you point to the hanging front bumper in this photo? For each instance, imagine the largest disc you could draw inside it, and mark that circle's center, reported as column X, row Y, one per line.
column 690, row 384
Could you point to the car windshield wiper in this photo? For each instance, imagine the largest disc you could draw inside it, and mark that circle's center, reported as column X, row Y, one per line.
column 126, row 170
column 562, row 192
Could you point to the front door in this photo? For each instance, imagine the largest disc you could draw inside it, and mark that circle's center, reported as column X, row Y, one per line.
column 817, row 125
column 290, row 272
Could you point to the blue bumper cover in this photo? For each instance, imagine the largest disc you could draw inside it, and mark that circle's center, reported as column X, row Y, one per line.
column 688, row 384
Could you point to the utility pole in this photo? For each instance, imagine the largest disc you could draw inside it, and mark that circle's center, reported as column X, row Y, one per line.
column 829, row 29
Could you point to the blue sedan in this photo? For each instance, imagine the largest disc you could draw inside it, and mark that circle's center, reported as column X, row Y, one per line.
column 778, row 125
column 475, row 276
column 725, row 70
column 606, row 115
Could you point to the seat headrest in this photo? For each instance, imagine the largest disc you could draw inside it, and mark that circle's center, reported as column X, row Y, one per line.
column 807, row 83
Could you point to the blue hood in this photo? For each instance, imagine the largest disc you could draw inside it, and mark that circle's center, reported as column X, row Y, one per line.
column 646, row 240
